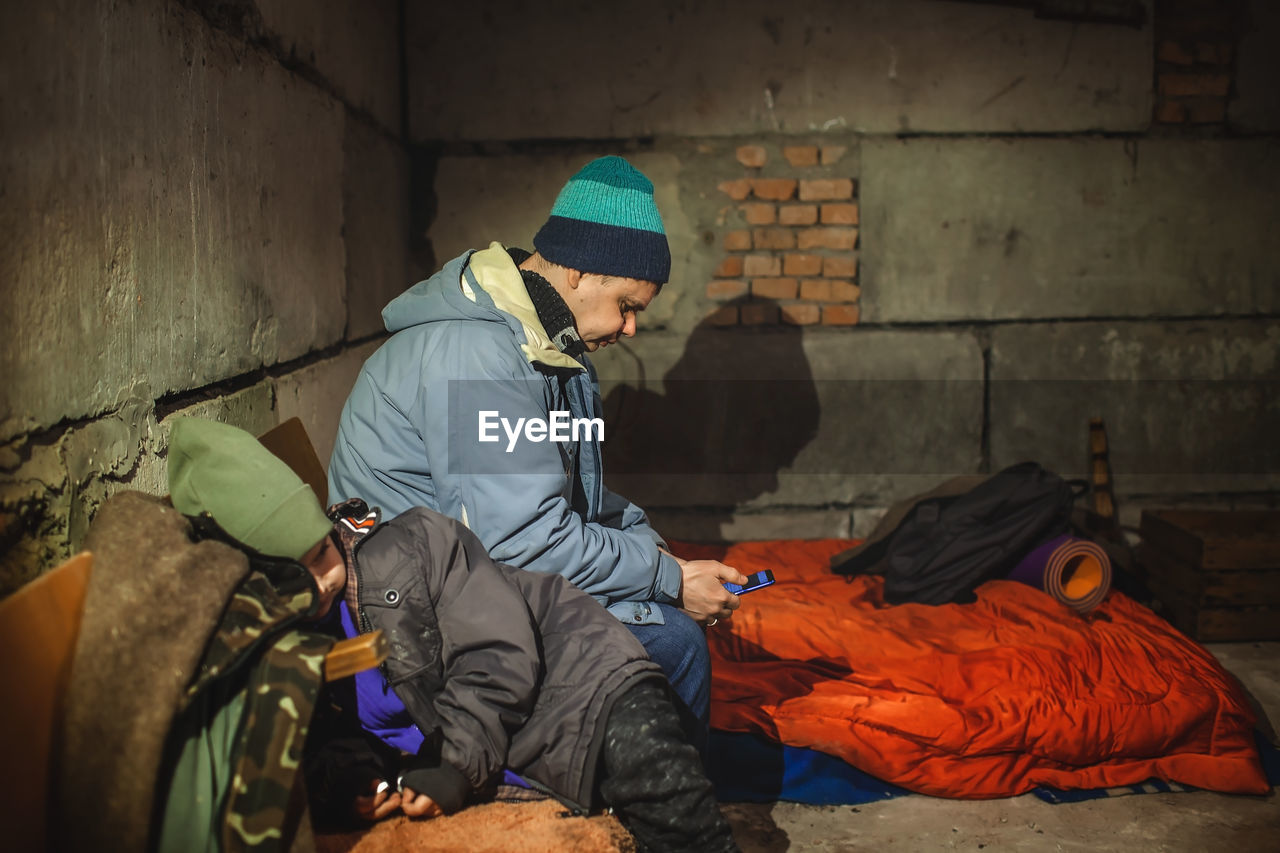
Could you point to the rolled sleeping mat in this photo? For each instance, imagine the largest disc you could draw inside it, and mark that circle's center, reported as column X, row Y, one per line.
column 1075, row 571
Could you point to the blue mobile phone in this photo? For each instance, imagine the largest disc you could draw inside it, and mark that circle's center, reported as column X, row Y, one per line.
column 755, row 581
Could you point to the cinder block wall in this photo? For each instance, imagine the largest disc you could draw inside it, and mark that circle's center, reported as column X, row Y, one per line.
column 911, row 239
column 204, row 206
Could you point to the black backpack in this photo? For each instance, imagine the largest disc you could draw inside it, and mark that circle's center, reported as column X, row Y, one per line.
column 938, row 547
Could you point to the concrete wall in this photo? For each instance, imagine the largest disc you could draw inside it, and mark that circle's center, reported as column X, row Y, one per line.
column 201, row 201
column 1030, row 238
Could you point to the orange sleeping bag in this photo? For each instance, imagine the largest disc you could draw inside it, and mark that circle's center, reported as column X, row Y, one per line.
column 989, row 699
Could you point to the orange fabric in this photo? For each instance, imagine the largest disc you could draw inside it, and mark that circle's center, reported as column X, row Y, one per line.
column 989, row 699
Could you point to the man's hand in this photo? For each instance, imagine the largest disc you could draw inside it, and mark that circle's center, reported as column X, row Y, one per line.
column 703, row 595
column 418, row 805
column 378, row 803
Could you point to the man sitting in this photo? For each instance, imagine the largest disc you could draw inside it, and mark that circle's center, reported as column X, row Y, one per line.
column 502, row 336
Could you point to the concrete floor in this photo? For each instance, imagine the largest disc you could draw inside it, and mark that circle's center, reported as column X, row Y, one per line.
column 1199, row 821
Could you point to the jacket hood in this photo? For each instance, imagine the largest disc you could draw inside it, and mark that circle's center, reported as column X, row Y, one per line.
column 491, row 290
column 437, row 298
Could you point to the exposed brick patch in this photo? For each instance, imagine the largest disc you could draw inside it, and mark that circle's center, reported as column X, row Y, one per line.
column 774, row 238
column 826, row 189
column 762, row 265
column 736, row 190
column 840, row 315
column 774, row 288
column 1196, row 43
column 840, row 266
column 802, row 264
column 774, row 189
column 798, row 214
column 758, row 314
column 759, row 213
column 725, row 315
column 839, row 214
column 800, row 314
column 833, row 237
column 730, row 267
column 752, row 156
column 801, row 155
column 797, row 263
column 831, row 154
column 726, row 289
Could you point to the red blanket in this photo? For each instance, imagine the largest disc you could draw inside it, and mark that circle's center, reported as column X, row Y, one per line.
column 989, row 699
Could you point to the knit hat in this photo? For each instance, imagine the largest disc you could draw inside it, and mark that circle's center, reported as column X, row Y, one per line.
column 256, row 498
column 605, row 221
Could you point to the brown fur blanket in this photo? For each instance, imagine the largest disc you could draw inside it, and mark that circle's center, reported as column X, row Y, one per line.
column 526, row 827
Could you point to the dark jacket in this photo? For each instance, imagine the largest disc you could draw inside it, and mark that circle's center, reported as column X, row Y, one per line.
column 499, row 667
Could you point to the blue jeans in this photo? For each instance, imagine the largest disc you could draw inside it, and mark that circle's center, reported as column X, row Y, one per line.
column 680, row 648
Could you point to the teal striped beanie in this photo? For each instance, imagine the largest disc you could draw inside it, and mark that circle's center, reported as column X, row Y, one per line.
column 605, row 221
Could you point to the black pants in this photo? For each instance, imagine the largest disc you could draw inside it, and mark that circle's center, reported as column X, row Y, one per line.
column 653, row 777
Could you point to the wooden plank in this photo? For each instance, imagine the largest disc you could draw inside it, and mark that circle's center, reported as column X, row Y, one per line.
column 1209, row 588
column 1245, row 540
column 39, row 624
column 1165, row 572
column 1218, row 624
column 1238, row 623
column 355, row 654
column 291, row 444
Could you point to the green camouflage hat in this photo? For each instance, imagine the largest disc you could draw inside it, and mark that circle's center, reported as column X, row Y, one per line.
column 224, row 471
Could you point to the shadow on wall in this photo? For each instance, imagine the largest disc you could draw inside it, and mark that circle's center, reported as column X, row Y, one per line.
column 734, row 410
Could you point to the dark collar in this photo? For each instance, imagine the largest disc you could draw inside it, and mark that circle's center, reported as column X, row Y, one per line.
column 553, row 312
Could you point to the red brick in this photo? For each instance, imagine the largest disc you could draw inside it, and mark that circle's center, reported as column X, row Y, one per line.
column 840, row 315
column 736, row 190
column 726, row 289
column 759, row 314
column 774, row 189
column 799, row 314
column 833, row 237
column 752, row 156
column 840, row 266
column 1206, row 110
column 1170, row 112
column 730, row 267
column 832, row 154
column 839, row 214
column 798, row 214
column 829, row 290
column 725, row 315
column 759, row 213
column 774, row 238
column 1174, row 53
column 762, row 265
column 826, row 189
column 801, row 155
column 802, row 264
column 737, row 241
column 1195, row 84
column 1214, row 53
column 774, row 288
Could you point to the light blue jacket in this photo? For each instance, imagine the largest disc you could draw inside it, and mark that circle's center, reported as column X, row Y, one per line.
column 467, row 341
